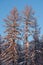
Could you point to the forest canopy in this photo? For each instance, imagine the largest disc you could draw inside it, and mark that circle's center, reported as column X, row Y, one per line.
column 15, row 48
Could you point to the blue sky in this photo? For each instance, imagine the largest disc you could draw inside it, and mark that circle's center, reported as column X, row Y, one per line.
column 7, row 5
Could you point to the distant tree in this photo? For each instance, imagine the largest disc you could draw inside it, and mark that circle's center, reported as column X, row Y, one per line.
column 36, row 35
column 0, row 50
column 13, row 32
column 28, row 20
column 1, row 42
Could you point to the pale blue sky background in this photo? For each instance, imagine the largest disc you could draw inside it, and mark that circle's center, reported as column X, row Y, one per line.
column 7, row 5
